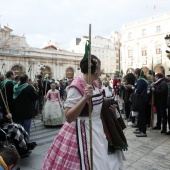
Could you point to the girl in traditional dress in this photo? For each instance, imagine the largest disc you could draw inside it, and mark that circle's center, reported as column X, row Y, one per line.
column 53, row 114
column 71, row 148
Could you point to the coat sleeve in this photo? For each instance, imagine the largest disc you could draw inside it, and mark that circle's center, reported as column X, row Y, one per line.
column 33, row 95
column 9, row 94
column 141, row 87
column 162, row 89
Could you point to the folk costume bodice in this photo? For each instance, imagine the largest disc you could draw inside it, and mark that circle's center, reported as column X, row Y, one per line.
column 76, row 91
column 53, row 96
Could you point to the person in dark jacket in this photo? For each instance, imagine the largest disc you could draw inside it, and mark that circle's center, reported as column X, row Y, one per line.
column 40, row 92
column 168, row 104
column 16, row 80
column 149, row 95
column 141, row 89
column 16, row 135
column 24, row 97
column 129, row 80
column 46, row 84
column 61, row 89
column 160, row 90
column 7, row 92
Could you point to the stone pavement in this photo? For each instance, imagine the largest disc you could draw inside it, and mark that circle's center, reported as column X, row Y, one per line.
column 149, row 153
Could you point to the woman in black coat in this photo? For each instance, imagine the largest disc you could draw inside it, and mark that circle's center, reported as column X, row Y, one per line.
column 129, row 80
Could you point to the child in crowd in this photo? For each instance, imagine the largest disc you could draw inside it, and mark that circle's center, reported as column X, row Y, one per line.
column 8, row 158
column 53, row 114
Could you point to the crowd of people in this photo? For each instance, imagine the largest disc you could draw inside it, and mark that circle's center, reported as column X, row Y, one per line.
column 21, row 100
column 152, row 90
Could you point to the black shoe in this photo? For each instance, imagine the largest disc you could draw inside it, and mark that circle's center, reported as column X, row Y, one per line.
column 141, row 134
column 25, row 155
column 136, row 131
column 156, row 128
column 31, row 145
column 167, row 133
column 163, row 131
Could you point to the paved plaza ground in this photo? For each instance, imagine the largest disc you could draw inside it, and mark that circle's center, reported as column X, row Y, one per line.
column 148, row 153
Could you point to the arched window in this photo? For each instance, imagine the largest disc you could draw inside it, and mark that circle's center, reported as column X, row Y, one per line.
column 159, row 69
column 18, row 69
column 145, row 70
column 46, row 70
column 130, row 70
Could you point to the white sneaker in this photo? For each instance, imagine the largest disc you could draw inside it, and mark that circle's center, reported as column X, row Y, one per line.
column 129, row 123
column 132, row 124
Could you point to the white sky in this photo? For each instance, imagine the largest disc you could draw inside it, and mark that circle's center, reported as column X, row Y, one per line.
column 62, row 20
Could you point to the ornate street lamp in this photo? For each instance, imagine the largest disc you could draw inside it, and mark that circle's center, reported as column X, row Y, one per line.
column 41, row 67
column 167, row 41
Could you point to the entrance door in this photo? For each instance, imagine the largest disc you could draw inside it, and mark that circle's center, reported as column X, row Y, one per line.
column 18, row 69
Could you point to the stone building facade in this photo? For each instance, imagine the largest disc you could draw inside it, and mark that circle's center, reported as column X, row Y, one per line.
column 16, row 55
column 107, row 49
column 143, row 44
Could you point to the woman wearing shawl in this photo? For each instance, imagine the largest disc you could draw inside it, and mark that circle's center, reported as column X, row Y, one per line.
column 70, row 149
column 24, row 97
column 6, row 87
column 140, row 88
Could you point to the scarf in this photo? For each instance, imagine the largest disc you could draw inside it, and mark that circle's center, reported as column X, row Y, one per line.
column 141, row 78
column 18, row 89
column 113, row 126
column 3, row 164
column 14, row 82
column 158, row 81
column 4, row 82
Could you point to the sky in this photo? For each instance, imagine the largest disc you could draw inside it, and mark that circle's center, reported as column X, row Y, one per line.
column 62, row 20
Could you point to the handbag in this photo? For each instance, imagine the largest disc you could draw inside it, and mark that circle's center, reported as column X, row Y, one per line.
column 137, row 101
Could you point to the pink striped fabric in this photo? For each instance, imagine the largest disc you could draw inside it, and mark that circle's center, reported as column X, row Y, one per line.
column 63, row 153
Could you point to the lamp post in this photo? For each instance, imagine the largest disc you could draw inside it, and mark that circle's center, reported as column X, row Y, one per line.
column 167, row 41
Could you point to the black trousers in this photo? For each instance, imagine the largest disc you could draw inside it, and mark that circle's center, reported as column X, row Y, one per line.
column 169, row 117
column 148, row 114
column 142, row 119
column 127, row 109
column 161, row 116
